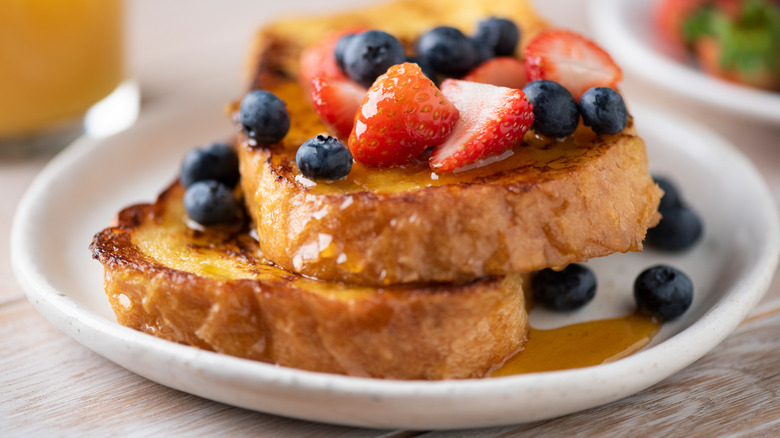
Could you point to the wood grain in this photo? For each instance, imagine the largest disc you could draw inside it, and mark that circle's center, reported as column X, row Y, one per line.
column 733, row 390
column 52, row 386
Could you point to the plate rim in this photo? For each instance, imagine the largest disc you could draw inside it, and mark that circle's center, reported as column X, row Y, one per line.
column 71, row 316
column 611, row 30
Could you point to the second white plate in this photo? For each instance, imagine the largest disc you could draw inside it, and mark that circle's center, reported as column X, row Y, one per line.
column 80, row 191
column 624, row 29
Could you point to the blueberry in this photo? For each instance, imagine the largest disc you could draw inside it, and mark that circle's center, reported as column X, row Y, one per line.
column 603, row 109
column 341, row 47
column 448, row 51
column 500, row 34
column 671, row 197
column 210, row 202
column 264, row 117
column 218, row 162
column 369, row 54
column 324, row 157
column 425, row 66
column 484, row 51
column 663, row 291
column 679, row 229
column 555, row 110
column 568, row 289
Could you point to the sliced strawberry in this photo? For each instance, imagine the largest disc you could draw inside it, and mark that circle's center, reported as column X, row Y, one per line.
column 492, row 121
column 319, row 59
column 503, row 71
column 402, row 115
column 337, row 100
column 572, row 60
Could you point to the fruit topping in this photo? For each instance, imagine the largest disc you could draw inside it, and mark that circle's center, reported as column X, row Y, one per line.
column 501, row 72
column 555, row 110
column 264, row 117
column 340, row 48
column 484, row 51
column 324, row 157
column 402, row 115
column 218, row 162
column 680, row 226
column 572, row 60
column 448, row 51
column 320, row 60
column 664, row 292
column 424, row 65
column 500, row 34
column 369, row 54
column 492, row 121
column 603, row 110
column 336, row 100
column 564, row 290
column 210, row 202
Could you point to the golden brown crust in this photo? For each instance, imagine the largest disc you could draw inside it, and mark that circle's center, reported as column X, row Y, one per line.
column 250, row 309
column 549, row 205
column 454, row 233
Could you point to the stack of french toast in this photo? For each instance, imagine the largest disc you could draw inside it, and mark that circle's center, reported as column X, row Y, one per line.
column 397, row 272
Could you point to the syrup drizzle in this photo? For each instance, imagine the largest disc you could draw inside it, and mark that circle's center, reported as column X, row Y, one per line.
column 581, row 345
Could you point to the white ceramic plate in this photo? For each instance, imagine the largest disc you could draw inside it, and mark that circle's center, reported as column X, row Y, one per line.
column 624, row 29
column 80, row 191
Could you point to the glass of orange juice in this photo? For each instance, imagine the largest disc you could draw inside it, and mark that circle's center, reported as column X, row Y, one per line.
column 58, row 58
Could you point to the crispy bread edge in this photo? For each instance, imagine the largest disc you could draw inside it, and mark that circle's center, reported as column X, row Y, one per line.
column 430, row 332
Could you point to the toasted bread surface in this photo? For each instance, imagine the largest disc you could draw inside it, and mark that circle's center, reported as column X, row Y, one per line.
column 548, row 204
column 277, row 46
column 212, row 288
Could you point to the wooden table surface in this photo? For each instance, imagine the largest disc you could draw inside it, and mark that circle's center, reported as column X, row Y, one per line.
column 52, row 386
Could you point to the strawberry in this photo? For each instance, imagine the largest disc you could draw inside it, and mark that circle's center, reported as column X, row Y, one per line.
column 336, row 100
column 572, row 60
column 503, row 71
column 670, row 17
column 492, row 121
column 319, row 59
column 402, row 115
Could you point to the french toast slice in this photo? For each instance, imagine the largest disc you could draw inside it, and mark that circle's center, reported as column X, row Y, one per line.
column 211, row 288
column 547, row 203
